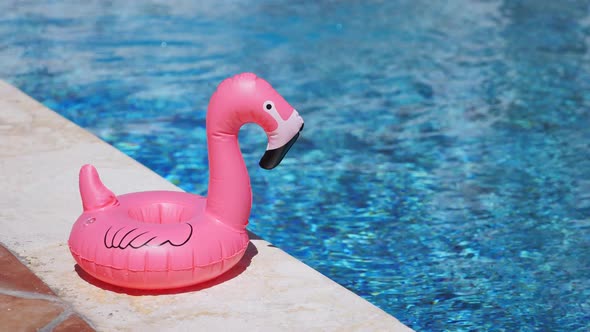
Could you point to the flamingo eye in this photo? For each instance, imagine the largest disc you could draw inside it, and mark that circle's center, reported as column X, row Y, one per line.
column 269, row 105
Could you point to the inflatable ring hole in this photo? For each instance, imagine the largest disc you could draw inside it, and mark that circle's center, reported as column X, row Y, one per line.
column 161, row 213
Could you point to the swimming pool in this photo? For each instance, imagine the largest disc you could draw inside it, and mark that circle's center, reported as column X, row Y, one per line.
column 444, row 170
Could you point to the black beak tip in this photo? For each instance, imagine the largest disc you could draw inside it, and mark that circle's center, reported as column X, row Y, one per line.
column 272, row 158
column 267, row 166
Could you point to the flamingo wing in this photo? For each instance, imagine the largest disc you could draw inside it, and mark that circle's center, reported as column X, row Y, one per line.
column 124, row 237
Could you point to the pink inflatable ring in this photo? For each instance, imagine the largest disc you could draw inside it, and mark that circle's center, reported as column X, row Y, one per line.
column 165, row 239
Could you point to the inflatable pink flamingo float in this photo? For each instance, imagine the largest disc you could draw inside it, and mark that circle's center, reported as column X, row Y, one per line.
column 165, row 239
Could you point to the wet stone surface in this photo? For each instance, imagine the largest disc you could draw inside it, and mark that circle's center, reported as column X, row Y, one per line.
column 73, row 323
column 15, row 276
column 27, row 304
column 18, row 314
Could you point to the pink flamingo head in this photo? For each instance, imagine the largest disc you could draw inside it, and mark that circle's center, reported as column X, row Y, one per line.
column 246, row 98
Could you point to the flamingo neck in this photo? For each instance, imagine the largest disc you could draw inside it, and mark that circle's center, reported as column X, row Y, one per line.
column 233, row 104
column 230, row 196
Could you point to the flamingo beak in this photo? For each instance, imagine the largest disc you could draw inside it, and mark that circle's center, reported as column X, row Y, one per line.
column 273, row 157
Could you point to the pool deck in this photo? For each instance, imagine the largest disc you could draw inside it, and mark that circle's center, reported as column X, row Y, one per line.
column 40, row 156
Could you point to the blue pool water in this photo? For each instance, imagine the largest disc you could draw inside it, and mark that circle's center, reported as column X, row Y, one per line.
column 444, row 170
